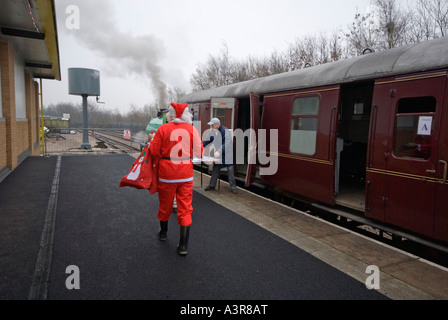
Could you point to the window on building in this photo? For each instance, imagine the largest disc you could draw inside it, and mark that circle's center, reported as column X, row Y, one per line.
column 414, row 127
column 304, row 125
column 19, row 84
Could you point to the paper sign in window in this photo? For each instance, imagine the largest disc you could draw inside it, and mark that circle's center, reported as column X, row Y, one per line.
column 424, row 126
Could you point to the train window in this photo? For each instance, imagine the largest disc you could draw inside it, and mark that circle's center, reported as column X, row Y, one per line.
column 220, row 112
column 358, row 108
column 304, row 125
column 413, row 127
column 196, row 119
column 305, row 106
column 417, row 105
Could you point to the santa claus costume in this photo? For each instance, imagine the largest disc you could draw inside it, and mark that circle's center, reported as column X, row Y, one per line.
column 176, row 143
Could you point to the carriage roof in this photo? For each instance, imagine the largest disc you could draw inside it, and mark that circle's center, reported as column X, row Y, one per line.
column 424, row 56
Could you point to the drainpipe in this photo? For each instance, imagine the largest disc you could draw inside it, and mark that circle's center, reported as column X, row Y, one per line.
column 42, row 131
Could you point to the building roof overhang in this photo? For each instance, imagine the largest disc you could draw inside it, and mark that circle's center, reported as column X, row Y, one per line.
column 29, row 26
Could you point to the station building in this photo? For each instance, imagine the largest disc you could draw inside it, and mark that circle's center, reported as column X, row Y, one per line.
column 29, row 52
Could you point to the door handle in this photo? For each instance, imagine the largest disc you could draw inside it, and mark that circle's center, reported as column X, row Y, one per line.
column 430, row 171
column 445, row 170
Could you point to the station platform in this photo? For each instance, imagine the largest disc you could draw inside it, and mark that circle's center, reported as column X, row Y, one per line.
column 62, row 211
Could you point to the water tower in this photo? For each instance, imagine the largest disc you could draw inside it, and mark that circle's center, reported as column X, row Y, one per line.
column 84, row 83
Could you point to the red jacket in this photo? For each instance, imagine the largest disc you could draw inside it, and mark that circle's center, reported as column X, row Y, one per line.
column 176, row 144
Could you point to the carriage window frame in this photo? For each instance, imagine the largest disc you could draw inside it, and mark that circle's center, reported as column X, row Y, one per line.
column 304, row 125
column 220, row 113
column 195, row 118
column 411, row 141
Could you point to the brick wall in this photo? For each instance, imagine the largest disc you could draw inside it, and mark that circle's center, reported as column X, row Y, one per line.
column 3, row 162
column 17, row 136
column 21, row 137
column 8, row 103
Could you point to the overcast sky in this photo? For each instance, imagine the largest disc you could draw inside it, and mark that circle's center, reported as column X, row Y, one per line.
column 141, row 45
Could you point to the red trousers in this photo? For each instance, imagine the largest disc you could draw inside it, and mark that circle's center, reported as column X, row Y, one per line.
column 184, row 197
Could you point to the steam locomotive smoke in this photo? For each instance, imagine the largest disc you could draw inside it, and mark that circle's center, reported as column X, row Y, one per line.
column 125, row 52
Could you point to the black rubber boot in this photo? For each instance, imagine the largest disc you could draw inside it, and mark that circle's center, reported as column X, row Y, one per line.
column 183, row 241
column 163, row 230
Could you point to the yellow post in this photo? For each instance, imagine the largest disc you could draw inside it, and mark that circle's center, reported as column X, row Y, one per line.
column 42, row 131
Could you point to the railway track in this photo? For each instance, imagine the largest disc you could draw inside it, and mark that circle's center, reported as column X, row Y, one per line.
column 115, row 140
column 435, row 252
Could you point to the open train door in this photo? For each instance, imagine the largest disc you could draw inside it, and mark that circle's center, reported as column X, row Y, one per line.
column 404, row 168
column 252, row 150
column 224, row 110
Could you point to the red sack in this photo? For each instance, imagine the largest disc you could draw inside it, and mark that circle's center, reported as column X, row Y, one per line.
column 141, row 175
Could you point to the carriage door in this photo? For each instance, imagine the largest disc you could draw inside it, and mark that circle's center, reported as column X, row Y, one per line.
column 404, row 146
column 441, row 201
column 252, row 150
column 223, row 109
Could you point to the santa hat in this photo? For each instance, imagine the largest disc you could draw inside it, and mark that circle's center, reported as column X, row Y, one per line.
column 180, row 108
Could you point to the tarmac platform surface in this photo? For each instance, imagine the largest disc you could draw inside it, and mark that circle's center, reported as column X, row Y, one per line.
column 110, row 235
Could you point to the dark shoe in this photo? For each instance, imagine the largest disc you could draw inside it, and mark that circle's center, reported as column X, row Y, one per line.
column 234, row 191
column 183, row 241
column 163, row 230
column 209, row 188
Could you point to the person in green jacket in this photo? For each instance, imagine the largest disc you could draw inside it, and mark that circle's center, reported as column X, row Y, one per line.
column 155, row 123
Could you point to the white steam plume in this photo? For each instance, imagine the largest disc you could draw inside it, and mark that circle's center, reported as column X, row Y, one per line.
column 128, row 53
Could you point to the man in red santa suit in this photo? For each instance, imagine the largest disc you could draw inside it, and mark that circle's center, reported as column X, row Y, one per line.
column 176, row 143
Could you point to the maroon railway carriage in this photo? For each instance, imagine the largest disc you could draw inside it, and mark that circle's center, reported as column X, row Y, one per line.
column 368, row 133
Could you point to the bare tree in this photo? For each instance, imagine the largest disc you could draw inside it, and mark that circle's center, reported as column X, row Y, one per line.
column 323, row 49
column 302, row 52
column 314, row 50
column 257, row 68
column 384, row 25
column 336, row 47
column 362, row 33
column 392, row 24
column 420, row 27
column 215, row 72
column 174, row 94
column 433, row 17
column 275, row 63
column 241, row 71
column 150, row 110
column 223, row 69
column 199, row 79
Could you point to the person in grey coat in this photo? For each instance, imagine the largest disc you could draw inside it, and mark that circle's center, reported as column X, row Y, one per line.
column 221, row 138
